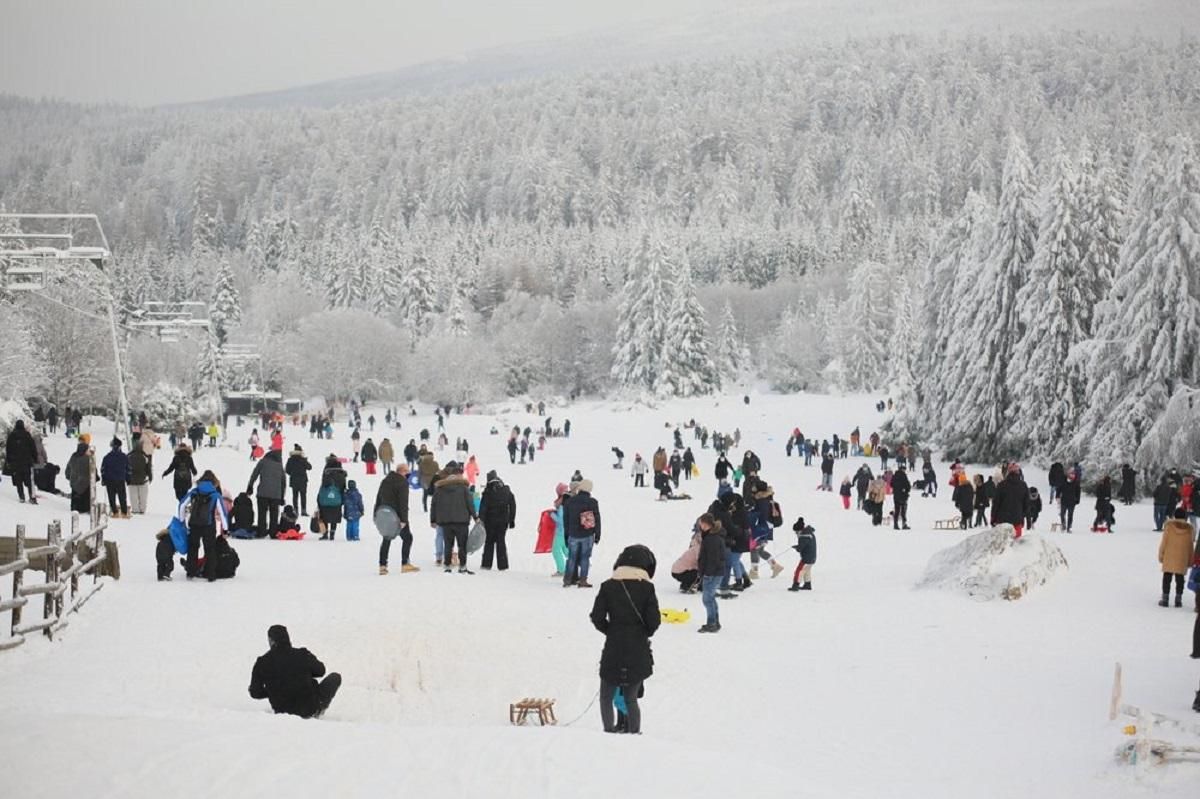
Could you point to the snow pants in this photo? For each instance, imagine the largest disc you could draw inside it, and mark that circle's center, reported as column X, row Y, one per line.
column 803, row 573
column 137, row 497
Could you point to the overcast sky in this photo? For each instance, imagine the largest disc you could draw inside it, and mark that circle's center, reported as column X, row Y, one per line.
column 159, row 51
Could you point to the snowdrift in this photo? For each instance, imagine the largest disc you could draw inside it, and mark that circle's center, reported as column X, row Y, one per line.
column 994, row 565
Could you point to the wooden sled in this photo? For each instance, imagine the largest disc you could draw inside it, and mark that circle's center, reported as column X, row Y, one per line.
column 947, row 524
column 518, row 712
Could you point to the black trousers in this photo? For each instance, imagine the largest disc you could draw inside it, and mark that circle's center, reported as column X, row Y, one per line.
column 639, row 481
column 268, row 516
column 325, row 690
column 23, row 479
column 633, row 711
column 452, row 534
column 207, row 536
column 901, row 516
column 406, row 539
column 116, row 496
column 495, row 541
column 1166, row 583
column 300, row 498
column 1066, row 515
column 966, row 519
column 164, row 553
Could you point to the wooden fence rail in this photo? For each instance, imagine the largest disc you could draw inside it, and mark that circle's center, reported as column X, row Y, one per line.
column 60, row 589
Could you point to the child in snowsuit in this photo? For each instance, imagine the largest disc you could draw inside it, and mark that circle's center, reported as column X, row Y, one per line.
column 844, row 491
column 806, row 545
column 164, row 553
column 352, row 510
column 289, row 524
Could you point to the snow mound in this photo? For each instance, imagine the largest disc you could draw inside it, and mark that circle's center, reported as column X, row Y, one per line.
column 994, row 565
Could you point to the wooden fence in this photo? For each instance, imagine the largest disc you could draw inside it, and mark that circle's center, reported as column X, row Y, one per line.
column 64, row 562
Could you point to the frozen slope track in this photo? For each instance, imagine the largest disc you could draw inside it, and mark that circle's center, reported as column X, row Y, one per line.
column 864, row 687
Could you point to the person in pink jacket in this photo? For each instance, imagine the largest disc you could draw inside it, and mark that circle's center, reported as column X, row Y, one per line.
column 471, row 471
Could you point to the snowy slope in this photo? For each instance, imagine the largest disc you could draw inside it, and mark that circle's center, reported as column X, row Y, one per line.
column 865, row 687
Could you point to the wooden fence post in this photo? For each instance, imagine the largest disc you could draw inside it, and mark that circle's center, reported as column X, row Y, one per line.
column 73, row 551
column 18, row 578
column 55, row 537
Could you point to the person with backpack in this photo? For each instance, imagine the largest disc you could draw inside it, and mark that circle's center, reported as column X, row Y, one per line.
column 498, row 510
column 765, row 515
column 203, row 510
column 114, row 472
column 183, row 467
column 329, row 497
column 352, row 510
column 393, row 493
column 626, row 612
column 272, row 485
column 288, row 677
column 806, row 545
column 581, row 525
column 141, row 473
column 453, row 510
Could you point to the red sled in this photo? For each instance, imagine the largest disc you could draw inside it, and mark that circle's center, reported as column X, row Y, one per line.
column 546, row 529
column 257, row 453
column 289, row 535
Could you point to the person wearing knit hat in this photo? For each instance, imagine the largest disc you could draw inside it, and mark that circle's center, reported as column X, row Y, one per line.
column 287, row 677
column 498, row 510
column 559, row 548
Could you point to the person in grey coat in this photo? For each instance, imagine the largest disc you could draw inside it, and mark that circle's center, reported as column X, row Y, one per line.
column 453, row 511
column 272, row 483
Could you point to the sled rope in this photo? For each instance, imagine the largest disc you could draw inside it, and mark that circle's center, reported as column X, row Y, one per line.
column 595, row 696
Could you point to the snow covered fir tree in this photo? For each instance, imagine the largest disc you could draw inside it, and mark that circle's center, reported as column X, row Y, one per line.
column 986, row 243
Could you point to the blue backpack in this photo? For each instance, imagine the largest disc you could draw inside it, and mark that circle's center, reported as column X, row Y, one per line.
column 330, row 496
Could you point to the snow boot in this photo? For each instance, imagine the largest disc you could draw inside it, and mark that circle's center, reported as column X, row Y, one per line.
column 776, row 568
column 583, row 584
column 465, row 570
column 408, row 568
column 746, row 581
column 806, row 587
column 754, row 572
column 795, row 587
column 738, row 585
column 1163, row 603
column 1179, row 600
column 383, row 570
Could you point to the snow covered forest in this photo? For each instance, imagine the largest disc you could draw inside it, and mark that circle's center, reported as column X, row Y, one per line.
column 1002, row 234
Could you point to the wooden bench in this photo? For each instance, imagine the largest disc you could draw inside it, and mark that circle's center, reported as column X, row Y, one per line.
column 947, row 524
column 518, row 712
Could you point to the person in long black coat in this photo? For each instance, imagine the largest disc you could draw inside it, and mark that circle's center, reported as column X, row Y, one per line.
column 184, row 468
column 498, row 510
column 626, row 612
column 1011, row 503
column 964, row 500
column 20, row 454
column 1068, row 498
column 1128, row 484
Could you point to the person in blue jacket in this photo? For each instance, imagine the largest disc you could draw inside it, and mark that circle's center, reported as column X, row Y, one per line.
column 202, row 509
column 352, row 510
column 114, row 472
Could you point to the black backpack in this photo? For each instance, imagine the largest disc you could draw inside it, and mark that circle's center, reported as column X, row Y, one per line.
column 200, row 514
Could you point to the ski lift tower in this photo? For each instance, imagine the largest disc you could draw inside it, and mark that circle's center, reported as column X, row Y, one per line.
column 32, row 246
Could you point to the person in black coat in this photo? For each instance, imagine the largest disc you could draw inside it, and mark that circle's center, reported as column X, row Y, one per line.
column 626, row 612
column 750, row 463
column 184, row 469
column 689, row 461
column 1011, row 503
column 1058, row 476
column 1033, row 508
column 243, row 513
column 1166, row 496
column 20, row 454
column 297, row 469
column 393, row 493
column 862, row 481
column 286, row 676
column 1105, row 512
column 1128, row 484
column 806, row 546
column 498, row 510
column 662, row 483
column 676, row 466
column 1068, row 498
column 723, row 469
column 982, row 501
column 901, row 490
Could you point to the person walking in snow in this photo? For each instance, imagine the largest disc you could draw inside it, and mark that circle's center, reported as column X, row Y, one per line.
column 427, row 468
column 1165, row 499
column 762, row 520
column 1176, row 553
column 826, row 472
column 20, row 455
column 356, row 444
column 453, row 511
column 498, row 510
column 982, row 501
column 1128, row 484
column 723, row 469
column 862, row 483
column 806, row 546
column 387, row 455
column 253, row 442
column 713, row 567
column 901, row 489
column 689, row 463
column 114, row 473
column 393, row 493
column 297, row 470
column 370, row 455
column 183, row 468
column 411, row 454
column 638, row 471
column 203, row 510
column 626, row 612
column 1056, row 478
column 1069, row 494
column 675, row 464
column 330, row 497
column 141, row 473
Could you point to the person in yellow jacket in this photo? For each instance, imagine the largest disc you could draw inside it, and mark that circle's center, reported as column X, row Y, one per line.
column 1175, row 553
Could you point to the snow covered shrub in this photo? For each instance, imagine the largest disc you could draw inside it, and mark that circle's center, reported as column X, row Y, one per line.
column 167, row 406
column 1174, row 440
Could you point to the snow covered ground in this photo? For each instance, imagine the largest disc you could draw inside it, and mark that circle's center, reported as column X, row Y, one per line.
column 864, row 687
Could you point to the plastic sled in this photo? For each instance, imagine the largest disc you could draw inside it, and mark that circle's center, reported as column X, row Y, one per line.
column 673, row 616
column 546, row 530
column 387, row 522
column 475, row 538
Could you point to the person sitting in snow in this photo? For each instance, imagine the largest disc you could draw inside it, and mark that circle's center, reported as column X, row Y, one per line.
column 662, row 482
column 286, row 676
column 243, row 517
column 289, row 525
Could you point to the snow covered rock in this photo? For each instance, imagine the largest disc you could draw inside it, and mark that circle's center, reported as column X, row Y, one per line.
column 994, row 565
